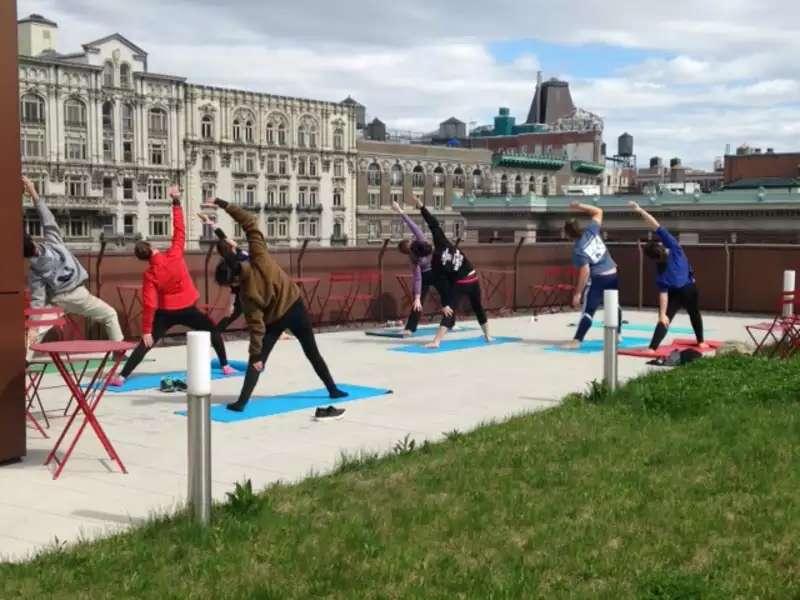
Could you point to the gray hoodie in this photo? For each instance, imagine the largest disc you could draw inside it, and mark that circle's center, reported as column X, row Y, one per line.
column 55, row 270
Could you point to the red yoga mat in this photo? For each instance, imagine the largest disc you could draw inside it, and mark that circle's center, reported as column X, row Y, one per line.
column 667, row 349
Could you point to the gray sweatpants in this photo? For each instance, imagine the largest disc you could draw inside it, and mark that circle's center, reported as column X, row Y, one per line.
column 80, row 302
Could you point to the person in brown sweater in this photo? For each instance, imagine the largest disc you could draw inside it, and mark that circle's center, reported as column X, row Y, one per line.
column 271, row 304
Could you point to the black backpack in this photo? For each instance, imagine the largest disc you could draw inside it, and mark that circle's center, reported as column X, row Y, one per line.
column 677, row 358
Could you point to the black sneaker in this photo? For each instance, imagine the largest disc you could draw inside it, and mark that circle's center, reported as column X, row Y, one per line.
column 167, row 385
column 331, row 413
column 180, row 385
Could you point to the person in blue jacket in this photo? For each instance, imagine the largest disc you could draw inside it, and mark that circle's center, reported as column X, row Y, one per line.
column 676, row 284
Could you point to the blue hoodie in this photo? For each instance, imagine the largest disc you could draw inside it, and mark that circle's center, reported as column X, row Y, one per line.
column 676, row 273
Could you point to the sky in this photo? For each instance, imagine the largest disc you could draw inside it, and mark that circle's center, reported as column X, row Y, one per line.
column 684, row 77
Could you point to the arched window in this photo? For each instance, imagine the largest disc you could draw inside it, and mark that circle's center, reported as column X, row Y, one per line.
column 338, row 138
column 127, row 118
column 108, row 117
column 418, row 177
column 458, row 178
column 237, row 130
column 270, row 131
column 545, row 186
column 301, row 136
column 125, row 76
column 158, row 121
column 337, row 229
column 312, row 136
column 504, row 184
column 281, row 134
column 397, row 175
column 208, row 162
column 438, row 177
column 374, row 174
column 312, row 167
column 518, row 186
column 477, row 179
column 248, row 132
column 337, row 197
column 32, row 109
column 532, row 185
column 75, row 113
column 207, row 127
column 108, row 74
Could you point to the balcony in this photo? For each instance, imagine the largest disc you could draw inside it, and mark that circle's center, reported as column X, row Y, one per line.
column 75, row 124
column 544, row 162
column 590, row 168
column 309, row 208
column 339, row 207
column 272, row 208
column 251, row 206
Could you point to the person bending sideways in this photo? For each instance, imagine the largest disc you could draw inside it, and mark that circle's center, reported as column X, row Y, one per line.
column 419, row 253
column 455, row 277
column 676, row 283
column 597, row 271
column 169, row 296
column 271, row 303
column 56, row 277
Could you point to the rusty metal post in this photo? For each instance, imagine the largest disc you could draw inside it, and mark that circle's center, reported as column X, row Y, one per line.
column 205, row 271
column 727, row 277
column 300, row 258
column 641, row 273
column 516, row 273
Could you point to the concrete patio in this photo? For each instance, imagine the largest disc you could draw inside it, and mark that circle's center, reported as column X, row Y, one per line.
column 433, row 394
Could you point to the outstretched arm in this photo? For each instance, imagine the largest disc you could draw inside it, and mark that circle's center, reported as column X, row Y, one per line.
column 178, row 222
column 248, row 221
column 50, row 228
column 649, row 219
column 418, row 234
column 593, row 211
column 439, row 238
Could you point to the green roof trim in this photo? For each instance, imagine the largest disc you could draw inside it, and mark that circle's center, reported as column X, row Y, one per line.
column 584, row 166
column 546, row 162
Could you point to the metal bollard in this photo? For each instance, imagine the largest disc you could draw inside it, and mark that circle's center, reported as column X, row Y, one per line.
column 198, row 398
column 788, row 293
column 611, row 330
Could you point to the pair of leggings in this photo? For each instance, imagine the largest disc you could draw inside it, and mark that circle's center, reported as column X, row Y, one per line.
column 593, row 299
column 687, row 298
column 471, row 288
column 164, row 320
column 298, row 322
column 226, row 322
column 428, row 280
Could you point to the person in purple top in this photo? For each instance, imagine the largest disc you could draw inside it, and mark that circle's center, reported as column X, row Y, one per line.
column 676, row 284
column 420, row 253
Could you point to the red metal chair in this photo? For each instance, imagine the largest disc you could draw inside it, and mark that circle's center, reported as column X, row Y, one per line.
column 368, row 286
column 544, row 295
column 565, row 285
column 781, row 335
column 35, row 319
column 342, row 286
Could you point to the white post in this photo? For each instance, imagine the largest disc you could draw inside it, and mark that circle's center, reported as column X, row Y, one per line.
column 198, row 398
column 788, row 293
column 611, row 330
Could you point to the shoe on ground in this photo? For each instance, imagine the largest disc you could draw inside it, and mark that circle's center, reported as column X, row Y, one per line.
column 117, row 381
column 167, row 385
column 329, row 413
column 228, row 370
column 180, row 385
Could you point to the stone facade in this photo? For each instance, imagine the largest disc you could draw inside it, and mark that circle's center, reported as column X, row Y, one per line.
column 103, row 138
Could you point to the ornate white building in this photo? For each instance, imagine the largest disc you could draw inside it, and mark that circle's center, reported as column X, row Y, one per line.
column 103, row 138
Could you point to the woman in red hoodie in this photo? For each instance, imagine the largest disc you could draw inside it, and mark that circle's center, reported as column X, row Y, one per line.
column 169, row 296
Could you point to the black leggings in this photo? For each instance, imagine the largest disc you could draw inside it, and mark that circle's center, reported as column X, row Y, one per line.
column 226, row 321
column 298, row 322
column 428, row 280
column 688, row 298
column 164, row 320
column 471, row 291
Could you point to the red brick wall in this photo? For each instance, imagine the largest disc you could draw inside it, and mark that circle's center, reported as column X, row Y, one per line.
column 761, row 165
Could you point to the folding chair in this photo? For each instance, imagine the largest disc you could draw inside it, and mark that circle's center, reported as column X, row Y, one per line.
column 35, row 319
column 544, row 295
column 366, row 291
column 780, row 334
column 565, row 286
column 342, row 286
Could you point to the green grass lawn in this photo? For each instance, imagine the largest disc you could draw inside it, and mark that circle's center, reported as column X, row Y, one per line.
column 684, row 484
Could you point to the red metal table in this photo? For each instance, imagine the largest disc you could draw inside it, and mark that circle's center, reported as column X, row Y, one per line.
column 87, row 398
column 495, row 280
column 309, row 287
column 130, row 299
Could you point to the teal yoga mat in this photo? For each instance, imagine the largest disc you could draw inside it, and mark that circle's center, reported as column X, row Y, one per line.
column 453, row 345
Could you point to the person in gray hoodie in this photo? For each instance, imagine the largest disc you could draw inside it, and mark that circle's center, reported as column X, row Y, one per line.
column 55, row 277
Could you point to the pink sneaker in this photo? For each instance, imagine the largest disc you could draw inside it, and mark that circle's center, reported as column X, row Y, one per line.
column 117, row 381
column 228, row 370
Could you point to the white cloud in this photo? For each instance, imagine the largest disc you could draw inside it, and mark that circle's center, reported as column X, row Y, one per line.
column 727, row 70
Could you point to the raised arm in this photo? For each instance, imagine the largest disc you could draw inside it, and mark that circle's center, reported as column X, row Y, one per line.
column 439, row 238
column 594, row 212
column 648, row 218
column 50, row 228
column 418, row 234
column 249, row 222
column 178, row 222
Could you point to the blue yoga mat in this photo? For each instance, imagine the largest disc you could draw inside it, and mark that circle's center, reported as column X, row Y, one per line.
column 592, row 346
column 421, row 332
column 452, row 345
column 647, row 328
column 265, row 406
column 148, row 381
